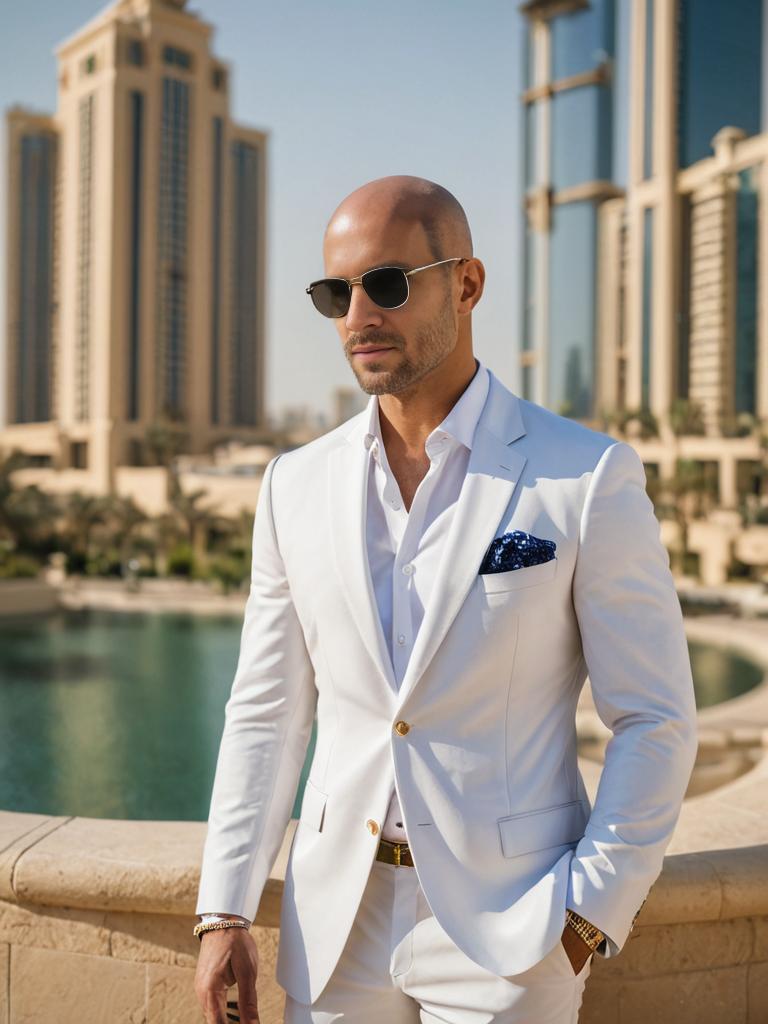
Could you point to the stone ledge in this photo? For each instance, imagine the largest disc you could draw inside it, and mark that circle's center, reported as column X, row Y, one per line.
column 153, row 867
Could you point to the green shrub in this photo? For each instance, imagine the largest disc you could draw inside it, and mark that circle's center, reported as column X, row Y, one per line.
column 181, row 561
column 16, row 567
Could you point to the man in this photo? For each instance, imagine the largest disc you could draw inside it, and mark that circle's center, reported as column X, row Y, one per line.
column 435, row 578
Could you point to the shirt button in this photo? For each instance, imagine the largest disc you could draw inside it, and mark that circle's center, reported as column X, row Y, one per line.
column 401, row 639
column 395, row 504
column 408, row 569
column 372, row 826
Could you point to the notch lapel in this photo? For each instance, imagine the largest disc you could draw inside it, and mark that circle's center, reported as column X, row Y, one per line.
column 492, row 473
column 348, row 499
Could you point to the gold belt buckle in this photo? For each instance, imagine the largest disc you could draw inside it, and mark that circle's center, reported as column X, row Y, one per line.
column 397, row 854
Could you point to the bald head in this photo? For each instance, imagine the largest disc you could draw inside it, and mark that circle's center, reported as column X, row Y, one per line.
column 411, row 201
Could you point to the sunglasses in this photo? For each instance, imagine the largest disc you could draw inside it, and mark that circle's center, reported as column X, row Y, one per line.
column 388, row 287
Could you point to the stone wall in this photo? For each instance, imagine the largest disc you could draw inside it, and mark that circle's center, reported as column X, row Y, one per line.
column 96, row 921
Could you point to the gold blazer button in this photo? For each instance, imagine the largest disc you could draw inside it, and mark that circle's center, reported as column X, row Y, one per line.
column 373, row 826
column 402, row 728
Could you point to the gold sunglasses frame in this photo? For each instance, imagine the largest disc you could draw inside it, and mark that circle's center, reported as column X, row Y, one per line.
column 349, row 282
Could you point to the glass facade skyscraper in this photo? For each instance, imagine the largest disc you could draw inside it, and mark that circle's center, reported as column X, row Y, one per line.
column 569, row 114
column 645, row 290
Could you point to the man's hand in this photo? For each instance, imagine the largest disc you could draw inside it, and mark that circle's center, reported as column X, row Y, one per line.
column 228, row 956
column 577, row 949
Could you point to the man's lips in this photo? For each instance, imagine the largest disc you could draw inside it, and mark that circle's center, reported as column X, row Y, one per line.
column 364, row 353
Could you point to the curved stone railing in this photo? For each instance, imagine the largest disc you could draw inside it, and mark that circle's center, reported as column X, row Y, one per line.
column 99, row 913
column 96, row 915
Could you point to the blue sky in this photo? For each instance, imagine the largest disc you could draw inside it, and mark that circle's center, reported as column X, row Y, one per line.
column 349, row 90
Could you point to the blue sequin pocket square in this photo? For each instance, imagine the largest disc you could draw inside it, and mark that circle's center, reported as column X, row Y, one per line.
column 516, row 550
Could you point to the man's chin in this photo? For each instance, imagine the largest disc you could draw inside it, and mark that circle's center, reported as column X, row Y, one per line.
column 373, row 383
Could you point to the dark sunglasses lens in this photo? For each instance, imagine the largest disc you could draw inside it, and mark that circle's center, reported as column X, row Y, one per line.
column 331, row 298
column 387, row 287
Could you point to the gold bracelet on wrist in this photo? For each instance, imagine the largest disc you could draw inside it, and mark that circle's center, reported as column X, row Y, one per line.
column 588, row 931
column 210, row 926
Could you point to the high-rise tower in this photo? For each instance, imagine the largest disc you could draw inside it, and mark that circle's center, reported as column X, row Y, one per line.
column 136, row 249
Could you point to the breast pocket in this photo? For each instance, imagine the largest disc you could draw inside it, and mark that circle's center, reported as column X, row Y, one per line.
column 513, row 579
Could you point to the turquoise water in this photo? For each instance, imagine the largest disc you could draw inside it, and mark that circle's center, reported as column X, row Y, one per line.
column 111, row 715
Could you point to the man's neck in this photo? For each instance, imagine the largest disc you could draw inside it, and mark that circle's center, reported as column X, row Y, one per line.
column 407, row 421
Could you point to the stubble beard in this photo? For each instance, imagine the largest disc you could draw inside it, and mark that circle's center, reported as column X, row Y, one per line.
column 433, row 343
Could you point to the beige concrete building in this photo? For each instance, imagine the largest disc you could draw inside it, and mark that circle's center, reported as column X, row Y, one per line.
column 646, row 244
column 136, row 253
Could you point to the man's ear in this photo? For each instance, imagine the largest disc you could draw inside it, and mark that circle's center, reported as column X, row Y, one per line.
column 472, row 284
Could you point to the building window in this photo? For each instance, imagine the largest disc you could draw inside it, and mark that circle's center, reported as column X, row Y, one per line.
column 219, row 79
column 39, row 460
column 532, row 120
column 570, row 360
column 582, row 39
column 217, row 215
column 135, row 52
column 84, row 246
column 527, row 383
column 719, row 73
column 173, row 197
column 529, row 288
column 244, row 314
column 581, row 136
column 136, row 129
column 529, row 55
column 31, row 331
column 89, row 64
column 647, row 309
column 648, row 92
column 78, row 454
column 178, row 58
column 746, row 277
column 683, row 316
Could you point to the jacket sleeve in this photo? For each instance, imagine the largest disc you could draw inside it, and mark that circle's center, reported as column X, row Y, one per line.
column 636, row 654
column 268, row 723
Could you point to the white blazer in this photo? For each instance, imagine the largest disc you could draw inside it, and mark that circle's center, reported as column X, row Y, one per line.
column 500, row 825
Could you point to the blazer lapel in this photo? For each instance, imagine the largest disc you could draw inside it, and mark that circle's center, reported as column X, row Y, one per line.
column 348, row 499
column 492, row 473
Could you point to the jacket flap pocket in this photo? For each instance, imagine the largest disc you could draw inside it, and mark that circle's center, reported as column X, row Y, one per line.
column 538, row 830
column 313, row 806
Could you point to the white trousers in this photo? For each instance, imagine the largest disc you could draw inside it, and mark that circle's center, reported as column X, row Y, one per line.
column 399, row 965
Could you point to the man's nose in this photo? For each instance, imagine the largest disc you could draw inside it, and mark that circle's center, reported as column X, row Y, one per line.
column 362, row 312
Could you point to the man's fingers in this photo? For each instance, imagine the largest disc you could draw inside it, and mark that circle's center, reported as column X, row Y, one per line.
column 247, row 1005
column 214, row 1007
column 223, row 963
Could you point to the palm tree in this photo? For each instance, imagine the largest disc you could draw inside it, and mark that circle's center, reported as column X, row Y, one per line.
column 166, row 439
column 124, row 517
column 27, row 513
column 196, row 520
column 80, row 515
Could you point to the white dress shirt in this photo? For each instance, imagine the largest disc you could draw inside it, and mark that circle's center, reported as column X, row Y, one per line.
column 404, row 547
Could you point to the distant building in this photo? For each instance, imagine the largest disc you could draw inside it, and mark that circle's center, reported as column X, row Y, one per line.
column 136, row 251
column 646, row 234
